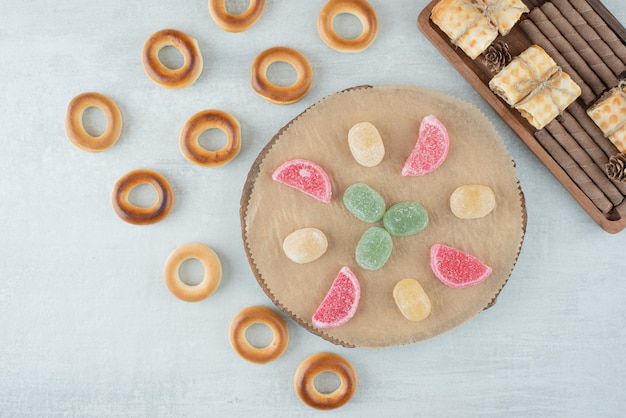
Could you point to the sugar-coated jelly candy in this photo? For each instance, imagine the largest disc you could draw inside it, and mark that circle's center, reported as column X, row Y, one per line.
column 412, row 300
column 456, row 268
column 341, row 301
column 366, row 144
column 305, row 245
column 374, row 248
column 306, row 176
column 405, row 218
column 431, row 148
column 472, row 201
column 364, row 202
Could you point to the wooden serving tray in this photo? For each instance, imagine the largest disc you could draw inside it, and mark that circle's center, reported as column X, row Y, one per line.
column 478, row 75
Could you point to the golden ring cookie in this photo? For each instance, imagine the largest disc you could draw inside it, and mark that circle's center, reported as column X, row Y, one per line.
column 212, row 272
column 163, row 75
column 76, row 131
column 279, row 94
column 139, row 215
column 239, row 22
column 258, row 315
column 201, row 122
column 359, row 8
column 317, row 364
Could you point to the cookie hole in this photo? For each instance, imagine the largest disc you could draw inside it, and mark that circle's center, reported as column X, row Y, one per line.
column 347, row 25
column 327, row 382
column 259, row 335
column 237, row 7
column 281, row 74
column 171, row 57
column 94, row 121
column 213, row 139
column 143, row 195
column 191, row 272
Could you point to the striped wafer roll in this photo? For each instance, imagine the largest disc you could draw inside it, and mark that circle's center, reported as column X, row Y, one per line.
column 593, row 20
column 573, row 170
column 592, row 59
column 584, row 161
column 587, row 32
column 580, row 114
column 567, row 50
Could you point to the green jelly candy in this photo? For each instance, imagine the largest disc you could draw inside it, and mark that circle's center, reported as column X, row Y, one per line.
column 364, row 202
column 374, row 248
column 405, row 218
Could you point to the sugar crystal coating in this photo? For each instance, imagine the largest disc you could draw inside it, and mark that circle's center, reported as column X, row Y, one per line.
column 364, row 202
column 306, row 176
column 305, row 245
column 431, row 148
column 341, row 301
column 412, row 300
column 405, row 218
column 472, row 201
column 374, row 248
column 366, row 144
column 456, row 268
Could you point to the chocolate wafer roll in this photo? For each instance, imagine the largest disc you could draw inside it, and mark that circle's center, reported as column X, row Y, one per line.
column 580, row 114
column 537, row 37
column 578, row 176
column 593, row 20
column 586, row 164
column 589, row 146
column 565, row 48
column 621, row 209
column 592, row 59
column 588, row 33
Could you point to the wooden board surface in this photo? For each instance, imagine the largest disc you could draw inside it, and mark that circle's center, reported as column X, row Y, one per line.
column 478, row 75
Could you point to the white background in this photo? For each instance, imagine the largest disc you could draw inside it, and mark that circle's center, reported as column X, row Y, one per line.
column 87, row 326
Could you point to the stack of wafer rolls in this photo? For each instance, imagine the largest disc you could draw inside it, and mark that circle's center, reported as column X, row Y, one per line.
column 587, row 48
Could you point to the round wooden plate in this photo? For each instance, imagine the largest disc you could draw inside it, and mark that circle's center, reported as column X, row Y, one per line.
column 270, row 211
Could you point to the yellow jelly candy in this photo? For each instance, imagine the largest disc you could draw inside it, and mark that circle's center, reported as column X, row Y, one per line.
column 472, row 201
column 365, row 144
column 305, row 245
column 413, row 302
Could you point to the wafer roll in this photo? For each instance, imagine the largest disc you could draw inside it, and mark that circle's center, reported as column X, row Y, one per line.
column 592, row 59
column 578, row 176
column 590, row 34
column 580, row 114
column 596, row 22
column 586, row 164
column 566, row 49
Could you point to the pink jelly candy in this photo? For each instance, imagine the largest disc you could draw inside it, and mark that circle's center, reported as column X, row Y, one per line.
column 306, row 176
column 456, row 268
column 430, row 149
column 341, row 301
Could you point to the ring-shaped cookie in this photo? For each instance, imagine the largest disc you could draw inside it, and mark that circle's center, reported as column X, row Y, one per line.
column 201, row 122
column 258, row 315
column 212, row 272
column 139, row 215
column 235, row 22
column 362, row 10
column 76, row 131
column 172, row 78
column 313, row 366
column 279, row 94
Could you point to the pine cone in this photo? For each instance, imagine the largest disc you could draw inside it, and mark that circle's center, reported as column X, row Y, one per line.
column 497, row 56
column 616, row 168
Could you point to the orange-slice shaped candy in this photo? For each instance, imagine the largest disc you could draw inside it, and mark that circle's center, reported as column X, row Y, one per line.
column 456, row 268
column 341, row 301
column 306, row 176
column 431, row 148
